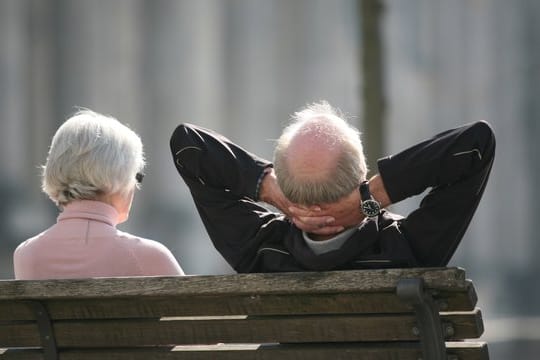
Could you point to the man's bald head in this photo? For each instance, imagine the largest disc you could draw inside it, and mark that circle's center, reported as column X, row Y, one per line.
column 311, row 153
column 319, row 158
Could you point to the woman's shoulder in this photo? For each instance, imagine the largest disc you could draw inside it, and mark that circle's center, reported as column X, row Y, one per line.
column 154, row 257
column 140, row 243
column 31, row 243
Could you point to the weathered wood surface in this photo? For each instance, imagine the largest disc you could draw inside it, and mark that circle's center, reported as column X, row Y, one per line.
column 319, row 315
column 240, row 284
column 209, row 330
column 350, row 351
column 259, row 304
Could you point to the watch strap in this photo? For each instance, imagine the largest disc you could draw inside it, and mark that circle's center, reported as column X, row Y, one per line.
column 365, row 194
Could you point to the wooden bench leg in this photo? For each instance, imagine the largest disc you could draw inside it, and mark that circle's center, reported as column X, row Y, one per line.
column 411, row 291
column 46, row 333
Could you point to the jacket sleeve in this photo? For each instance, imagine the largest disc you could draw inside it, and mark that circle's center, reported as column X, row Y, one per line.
column 223, row 180
column 454, row 165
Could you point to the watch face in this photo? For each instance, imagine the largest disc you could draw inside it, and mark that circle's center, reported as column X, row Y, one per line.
column 371, row 208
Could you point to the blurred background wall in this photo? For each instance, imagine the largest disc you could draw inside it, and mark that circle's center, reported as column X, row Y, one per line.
column 242, row 67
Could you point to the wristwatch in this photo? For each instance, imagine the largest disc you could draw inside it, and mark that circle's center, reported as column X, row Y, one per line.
column 369, row 206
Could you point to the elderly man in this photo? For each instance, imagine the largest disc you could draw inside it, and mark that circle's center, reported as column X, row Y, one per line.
column 332, row 217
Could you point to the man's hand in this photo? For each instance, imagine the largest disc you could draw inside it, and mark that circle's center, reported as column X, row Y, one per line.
column 323, row 219
column 314, row 220
column 346, row 210
column 310, row 219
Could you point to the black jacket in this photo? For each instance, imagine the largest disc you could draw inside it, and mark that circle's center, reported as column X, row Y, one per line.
column 223, row 180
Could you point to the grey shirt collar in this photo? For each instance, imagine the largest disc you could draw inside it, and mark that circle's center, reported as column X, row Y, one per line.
column 324, row 246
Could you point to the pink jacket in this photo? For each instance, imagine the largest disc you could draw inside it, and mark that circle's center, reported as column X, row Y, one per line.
column 84, row 243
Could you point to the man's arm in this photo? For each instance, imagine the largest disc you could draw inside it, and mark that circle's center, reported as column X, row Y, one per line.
column 222, row 178
column 455, row 166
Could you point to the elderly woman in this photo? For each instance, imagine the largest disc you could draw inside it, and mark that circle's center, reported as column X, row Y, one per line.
column 93, row 168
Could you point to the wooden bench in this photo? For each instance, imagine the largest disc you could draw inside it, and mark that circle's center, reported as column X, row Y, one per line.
column 360, row 314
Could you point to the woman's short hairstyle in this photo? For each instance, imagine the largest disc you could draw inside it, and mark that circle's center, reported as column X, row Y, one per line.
column 330, row 126
column 91, row 154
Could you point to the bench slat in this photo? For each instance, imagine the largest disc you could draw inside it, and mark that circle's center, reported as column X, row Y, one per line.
column 374, row 302
column 19, row 334
column 356, row 351
column 262, row 329
column 234, row 284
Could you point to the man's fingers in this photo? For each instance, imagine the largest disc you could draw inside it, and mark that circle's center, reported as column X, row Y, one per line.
column 315, row 221
column 304, row 211
column 318, row 225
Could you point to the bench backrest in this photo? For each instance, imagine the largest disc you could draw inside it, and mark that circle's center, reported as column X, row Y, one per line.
column 317, row 315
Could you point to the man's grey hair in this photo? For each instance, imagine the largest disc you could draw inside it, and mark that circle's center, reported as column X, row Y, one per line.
column 91, row 154
column 331, row 128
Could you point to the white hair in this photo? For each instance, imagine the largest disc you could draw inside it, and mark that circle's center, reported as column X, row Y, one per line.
column 330, row 127
column 91, row 154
